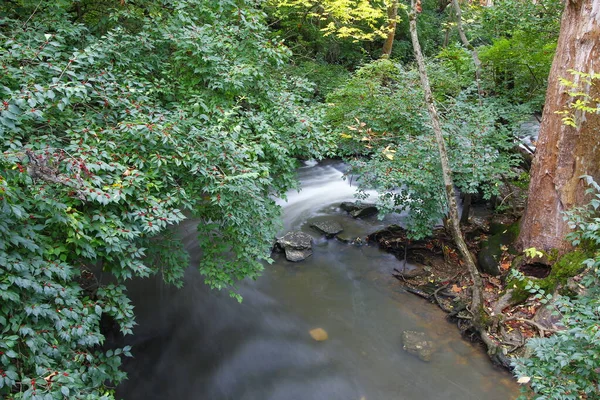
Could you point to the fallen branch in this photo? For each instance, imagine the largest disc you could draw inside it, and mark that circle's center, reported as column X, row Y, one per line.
column 418, row 292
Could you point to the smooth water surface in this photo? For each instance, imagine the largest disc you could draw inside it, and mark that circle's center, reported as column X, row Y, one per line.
column 197, row 344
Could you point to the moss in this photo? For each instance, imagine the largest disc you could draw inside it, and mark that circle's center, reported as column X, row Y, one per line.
column 553, row 256
column 503, row 235
column 519, row 294
column 514, row 229
column 522, row 181
column 484, row 319
column 567, row 266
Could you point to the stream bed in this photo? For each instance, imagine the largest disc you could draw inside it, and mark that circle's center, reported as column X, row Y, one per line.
column 194, row 343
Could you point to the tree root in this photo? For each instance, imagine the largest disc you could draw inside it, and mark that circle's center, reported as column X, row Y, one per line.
column 542, row 330
column 437, row 299
column 511, row 344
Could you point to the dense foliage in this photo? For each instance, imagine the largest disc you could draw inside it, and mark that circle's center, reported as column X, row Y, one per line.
column 120, row 118
column 381, row 118
column 117, row 121
column 567, row 364
column 350, row 32
column 517, row 42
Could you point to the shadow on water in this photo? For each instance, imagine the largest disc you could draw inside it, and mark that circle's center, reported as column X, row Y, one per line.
column 199, row 344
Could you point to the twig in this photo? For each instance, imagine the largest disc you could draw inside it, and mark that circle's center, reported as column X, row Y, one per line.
column 32, row 14
column 506, row 197
column 400, row 275
column 529, row 149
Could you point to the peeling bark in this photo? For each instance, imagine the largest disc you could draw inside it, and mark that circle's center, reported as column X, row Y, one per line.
column 565, row 153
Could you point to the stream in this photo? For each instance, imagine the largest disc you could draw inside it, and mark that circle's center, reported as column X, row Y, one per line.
column 194, row 343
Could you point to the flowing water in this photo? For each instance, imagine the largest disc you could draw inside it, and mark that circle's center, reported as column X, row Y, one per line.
column 194, row 343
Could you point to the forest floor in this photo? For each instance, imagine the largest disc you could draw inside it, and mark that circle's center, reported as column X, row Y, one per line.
column 432, row 269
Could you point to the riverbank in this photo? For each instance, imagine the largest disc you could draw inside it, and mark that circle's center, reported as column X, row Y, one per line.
column 432, row 269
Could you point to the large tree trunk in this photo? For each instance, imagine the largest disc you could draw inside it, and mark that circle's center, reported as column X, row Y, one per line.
column 454, row 224
column 392, row 12
column 565, row 153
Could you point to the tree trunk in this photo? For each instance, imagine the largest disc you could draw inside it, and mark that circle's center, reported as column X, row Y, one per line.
column 565, row 153
column 477, row 299
column 466, row 210
column 442, row 4
column 392, row 12
column 472, row 49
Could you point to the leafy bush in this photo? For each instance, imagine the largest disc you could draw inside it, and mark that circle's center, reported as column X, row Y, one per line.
column 458, row 66
column 381, row 119
column 179, row 108
column 306, row 27
column 326, row 77
column 517, row 41
column 566, row 365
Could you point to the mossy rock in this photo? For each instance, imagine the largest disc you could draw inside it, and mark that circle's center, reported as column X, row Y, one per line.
column 567, row 266
column 489, row 255
column 499, row 228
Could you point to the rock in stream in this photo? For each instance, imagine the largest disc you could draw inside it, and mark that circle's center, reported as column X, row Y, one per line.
column 361, row 210
column 416, row 343
column 297, row 245
column 328, row 228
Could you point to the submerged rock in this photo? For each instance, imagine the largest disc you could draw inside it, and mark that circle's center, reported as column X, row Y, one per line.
column 361, row 210
column 329, row 228
column 297, row 245
column 319, row 334
column 350, row 239
column 416, row 343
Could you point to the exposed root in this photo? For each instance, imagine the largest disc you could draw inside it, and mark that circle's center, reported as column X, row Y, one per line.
column 542, row 330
